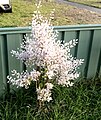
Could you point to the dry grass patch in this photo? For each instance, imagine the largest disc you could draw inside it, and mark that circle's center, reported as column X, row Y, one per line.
column 95, row 3
column 64, row 14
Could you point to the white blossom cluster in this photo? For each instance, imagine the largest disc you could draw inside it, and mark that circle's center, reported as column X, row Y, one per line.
column 43, row 52
column 23, row 79
column 44, row 94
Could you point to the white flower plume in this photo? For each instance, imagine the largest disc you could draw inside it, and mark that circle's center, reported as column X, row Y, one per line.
column 43, row 52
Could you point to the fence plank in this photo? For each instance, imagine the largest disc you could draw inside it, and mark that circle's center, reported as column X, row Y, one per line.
column 3, row 64
column 100, row 71
column 70, row 35
column 95, row 53
column 60, row 35
column 83, row 50
column 13, row 42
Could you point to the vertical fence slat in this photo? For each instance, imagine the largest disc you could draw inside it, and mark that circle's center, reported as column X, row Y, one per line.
column 100, row 71
column 83, row 48
column 70, row 35
column 95, row 52
column 60, row 35
column 13, row 43
column 3, row 64
column 100, row 65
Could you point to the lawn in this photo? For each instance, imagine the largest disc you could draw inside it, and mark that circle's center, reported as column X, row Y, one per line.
column 64, row 14
column 79, row 102
column 95, row 3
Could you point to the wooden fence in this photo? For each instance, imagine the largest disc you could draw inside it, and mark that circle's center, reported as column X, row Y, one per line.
column 88, row 48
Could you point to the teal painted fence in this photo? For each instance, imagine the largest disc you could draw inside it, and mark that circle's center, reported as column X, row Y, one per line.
column 88, row 48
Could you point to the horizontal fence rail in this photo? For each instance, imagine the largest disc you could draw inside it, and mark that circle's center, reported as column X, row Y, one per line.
column 88, row 48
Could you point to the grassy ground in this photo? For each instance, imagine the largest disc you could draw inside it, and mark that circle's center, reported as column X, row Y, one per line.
column 80, row 102
column 64, row 14
column 95, row 3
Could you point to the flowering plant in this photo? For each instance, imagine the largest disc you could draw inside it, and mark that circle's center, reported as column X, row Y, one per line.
column 51, row 61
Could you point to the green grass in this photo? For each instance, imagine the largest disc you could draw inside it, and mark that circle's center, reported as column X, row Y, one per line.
column 80, row 102
column 94, row 3
column 23, row 12
column 64, row 14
